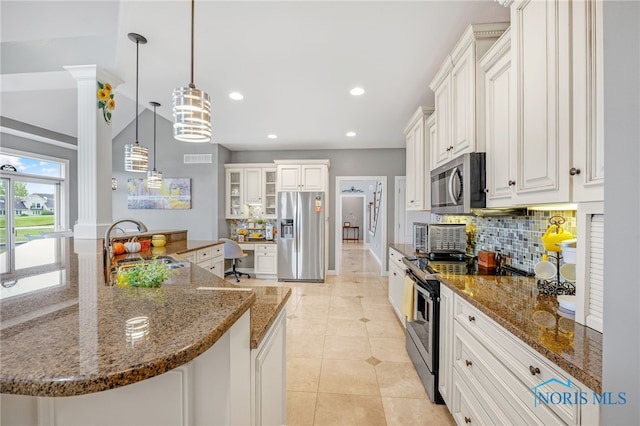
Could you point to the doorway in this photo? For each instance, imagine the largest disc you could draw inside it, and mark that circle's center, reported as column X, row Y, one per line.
column 373, row 226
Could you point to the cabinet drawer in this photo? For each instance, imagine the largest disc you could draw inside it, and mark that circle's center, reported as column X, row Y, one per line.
column 266, row 248
column 479, row 368
column 465, row 408
column 204, row 254
column 395, row 257
column 188, row 256
column 531, row 368
column 217, row 250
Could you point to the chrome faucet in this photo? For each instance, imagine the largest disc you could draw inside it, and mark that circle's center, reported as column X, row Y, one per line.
column 107, row 235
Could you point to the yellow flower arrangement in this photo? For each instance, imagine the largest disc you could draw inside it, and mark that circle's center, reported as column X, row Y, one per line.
column 105, row 100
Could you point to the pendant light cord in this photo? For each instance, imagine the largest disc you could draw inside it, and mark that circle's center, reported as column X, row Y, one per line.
column 193, row 14
column 154, row 137
column 137, row 65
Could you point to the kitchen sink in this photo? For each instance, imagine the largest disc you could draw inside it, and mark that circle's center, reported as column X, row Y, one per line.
column 168, row 260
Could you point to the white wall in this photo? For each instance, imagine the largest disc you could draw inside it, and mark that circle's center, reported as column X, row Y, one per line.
column 621, row 337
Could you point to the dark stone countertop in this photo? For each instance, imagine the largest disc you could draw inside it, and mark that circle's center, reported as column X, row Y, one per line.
column 63, row 331
column 514, row 303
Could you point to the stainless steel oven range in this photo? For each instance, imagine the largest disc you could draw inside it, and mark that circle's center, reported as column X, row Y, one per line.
column 423, row 330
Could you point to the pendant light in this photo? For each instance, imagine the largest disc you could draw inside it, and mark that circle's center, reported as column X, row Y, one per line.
column 136, row 157
column 154, row 177
column 191, row 106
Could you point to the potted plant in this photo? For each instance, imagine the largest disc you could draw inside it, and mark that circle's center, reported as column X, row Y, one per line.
column 144, row 274
column 260, row 222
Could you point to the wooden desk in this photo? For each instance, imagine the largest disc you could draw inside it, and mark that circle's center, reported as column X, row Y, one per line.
column 346, row 231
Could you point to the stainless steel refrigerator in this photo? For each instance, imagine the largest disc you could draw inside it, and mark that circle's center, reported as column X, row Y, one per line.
column 301, row 236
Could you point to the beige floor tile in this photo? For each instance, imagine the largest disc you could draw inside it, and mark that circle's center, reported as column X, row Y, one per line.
column 355, row 312
column 346, row 290
column 346, row 302
column 346, row 347
column 307, row 325
column 377, row 312
column 345, row 327
column 411, row 412
column 312, row 311
column 348, row 376
column 389, row 349
column 315, row 300
column 301, row 407
column 303, row 374
column 304, row 346
column 385, row 329
column 351, row 410
column 399, row 380
column 374, row 299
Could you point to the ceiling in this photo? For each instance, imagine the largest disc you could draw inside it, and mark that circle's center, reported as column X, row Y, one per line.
column 294, row 62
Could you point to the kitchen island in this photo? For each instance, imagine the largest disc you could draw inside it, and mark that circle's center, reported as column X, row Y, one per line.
column 173, row 355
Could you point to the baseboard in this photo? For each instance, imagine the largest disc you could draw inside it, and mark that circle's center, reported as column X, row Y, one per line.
column 332, row 272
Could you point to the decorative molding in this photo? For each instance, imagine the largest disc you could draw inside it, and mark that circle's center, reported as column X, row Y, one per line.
column 505, row 3
column 31, row 136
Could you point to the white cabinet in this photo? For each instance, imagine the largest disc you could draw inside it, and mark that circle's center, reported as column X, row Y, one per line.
column 396, row 283
column 210, row 258
column 302, row 175
column 445, row 371
column 251, row 185
column 459, row 95
column 494, row 374
column 266, row 259
column 500, row 123
column 587, row 104
column 417, row 154
column 269, row 376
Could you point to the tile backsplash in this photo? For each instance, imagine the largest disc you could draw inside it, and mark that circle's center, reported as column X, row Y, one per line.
column 517, row 237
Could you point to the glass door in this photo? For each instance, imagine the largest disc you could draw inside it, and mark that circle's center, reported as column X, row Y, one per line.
column 34, row 209
column 269, row 179
column 5, row 225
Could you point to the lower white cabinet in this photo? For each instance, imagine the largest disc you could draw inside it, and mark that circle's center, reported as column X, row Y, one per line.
column 445, row 369
column 210, row 258
column 269, row 375
column 494, row 373
column 396, row 284
column 266, row 259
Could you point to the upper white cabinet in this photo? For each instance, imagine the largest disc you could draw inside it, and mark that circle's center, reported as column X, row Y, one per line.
column 418, row 180
column 302, row 175
column 500, row 116
column 250, row 184
column 459, row 95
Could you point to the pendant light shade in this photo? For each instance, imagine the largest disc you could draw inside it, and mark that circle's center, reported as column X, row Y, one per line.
column 154, row 177
column 191, row 106
column 136, row 157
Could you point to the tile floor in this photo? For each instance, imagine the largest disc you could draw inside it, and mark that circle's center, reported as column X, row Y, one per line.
column 346, row 360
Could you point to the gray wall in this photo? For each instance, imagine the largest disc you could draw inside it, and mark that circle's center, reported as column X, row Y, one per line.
column 621, row 339
column 344, row 162
column 202, row 219
column 352, row 208
column 28, row 145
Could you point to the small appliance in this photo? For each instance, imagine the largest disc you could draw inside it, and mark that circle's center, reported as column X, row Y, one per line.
column 420, row 235
column 268, row 232
column 459, row 186
column 450, row 238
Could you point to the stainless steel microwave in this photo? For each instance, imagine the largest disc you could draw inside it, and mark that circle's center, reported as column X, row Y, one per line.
column 459, row 186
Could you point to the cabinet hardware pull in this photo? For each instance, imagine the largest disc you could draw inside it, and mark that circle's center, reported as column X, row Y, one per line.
column 512, row 182
column 534, row 370
column 394, row 273
column 486, row 190
column 573, row 171
column 469, row 363
column 467, row 420
column 472, row 318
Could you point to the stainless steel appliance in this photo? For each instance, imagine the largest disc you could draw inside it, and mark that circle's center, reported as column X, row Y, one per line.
column 420, row 233
column 459, row 186
column 447, row 238
column 301, row 236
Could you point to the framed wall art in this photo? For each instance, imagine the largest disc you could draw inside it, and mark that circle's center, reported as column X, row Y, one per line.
column 174, row 194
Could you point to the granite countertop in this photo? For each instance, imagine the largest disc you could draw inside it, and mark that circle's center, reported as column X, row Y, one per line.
column 514, row 303
column 63, row 331
column 406, row 250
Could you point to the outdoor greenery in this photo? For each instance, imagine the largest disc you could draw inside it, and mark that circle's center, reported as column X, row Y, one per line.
column 144, row 274
column 27, row 225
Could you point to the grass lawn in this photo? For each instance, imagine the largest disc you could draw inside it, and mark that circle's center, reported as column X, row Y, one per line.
column 22, row 224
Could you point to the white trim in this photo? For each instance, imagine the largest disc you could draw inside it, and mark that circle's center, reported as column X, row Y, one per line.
column 37, row 138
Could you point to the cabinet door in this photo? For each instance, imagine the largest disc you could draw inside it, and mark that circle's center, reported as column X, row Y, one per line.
column 288, row 178
column 253, row 185
column 313, row 177
column 540, row 61
column 445, row 373
column 415, row 167
column 266, row 263
column 499, row 125
column 463, row 97
column 396, row 290
column 234, row 201
column 433, row 141
column 269, row 193
column 588, row 132
column 443, row 143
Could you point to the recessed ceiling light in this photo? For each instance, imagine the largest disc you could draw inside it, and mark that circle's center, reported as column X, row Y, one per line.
column 357, row 91
column 236, row 96
column 351, row 134
column 272, row 136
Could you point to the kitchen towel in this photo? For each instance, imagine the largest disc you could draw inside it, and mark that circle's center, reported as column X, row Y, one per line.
column 407, row 299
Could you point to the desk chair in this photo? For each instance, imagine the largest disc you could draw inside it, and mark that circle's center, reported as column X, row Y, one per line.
column 233, row 251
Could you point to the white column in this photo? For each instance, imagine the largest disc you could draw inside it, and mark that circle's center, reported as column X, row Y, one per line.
column 94, row 154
